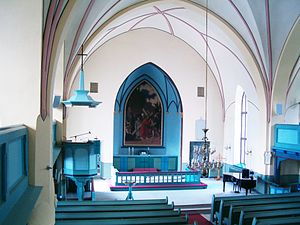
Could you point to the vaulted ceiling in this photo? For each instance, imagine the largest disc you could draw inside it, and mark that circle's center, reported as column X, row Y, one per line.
column 262, row 26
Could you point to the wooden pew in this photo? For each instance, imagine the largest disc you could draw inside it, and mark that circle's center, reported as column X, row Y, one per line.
column 226, row 203
column 114, row 202
column 246, row 218
column 116, row 215
column 118, row 208
column 127, row 221
column 22, row 209
column 291, row 220
column 216, row 200
column 235, row 210
column 118, row 212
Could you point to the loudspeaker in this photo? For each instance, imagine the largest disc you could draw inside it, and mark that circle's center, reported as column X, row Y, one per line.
column 94, row 87
column 245, row 173
column 278, row 109
column 56, row 101
column 200, row 91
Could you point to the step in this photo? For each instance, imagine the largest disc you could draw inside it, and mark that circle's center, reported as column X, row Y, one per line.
column 112, row 208
column 195, row 208
column 115, row 215
column 144, row 221
column 114, row 202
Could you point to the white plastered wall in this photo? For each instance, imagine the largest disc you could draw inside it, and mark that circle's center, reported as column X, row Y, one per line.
column 21, row 45
column 242, row 71
column 119, row 57
column 235, row 69
column 114, row 61
column 58, row 86
column 292, row 114
column 20, row 38
column 286, row 71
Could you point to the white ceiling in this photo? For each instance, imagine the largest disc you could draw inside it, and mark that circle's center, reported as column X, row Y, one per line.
column 239, row 29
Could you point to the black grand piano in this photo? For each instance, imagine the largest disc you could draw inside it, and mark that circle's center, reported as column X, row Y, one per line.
column 240, row 180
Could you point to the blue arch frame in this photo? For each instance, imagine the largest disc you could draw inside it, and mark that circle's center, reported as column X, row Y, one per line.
column 171, row 106
column 126, row 100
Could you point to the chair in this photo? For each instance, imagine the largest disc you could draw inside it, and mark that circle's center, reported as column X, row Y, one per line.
column 245, row 173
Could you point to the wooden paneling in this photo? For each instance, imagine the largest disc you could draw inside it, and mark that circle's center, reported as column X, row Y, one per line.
column 162, row 163
column 14, row 164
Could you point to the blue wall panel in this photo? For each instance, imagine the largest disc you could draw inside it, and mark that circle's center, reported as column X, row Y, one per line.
column 287, row 136
column 14, row 167
column 15, row 162
column 80, row 154
column 172, row 111
column 1, row 172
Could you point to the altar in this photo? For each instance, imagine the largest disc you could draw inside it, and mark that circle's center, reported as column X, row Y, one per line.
column 125, row 163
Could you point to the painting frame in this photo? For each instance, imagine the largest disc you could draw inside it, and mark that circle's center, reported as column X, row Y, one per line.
column 196, row 156
column 143, row 117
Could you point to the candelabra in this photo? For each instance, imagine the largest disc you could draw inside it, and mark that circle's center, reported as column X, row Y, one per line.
column 205, row 151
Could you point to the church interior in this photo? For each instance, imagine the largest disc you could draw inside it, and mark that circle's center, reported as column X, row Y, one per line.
column 149, row 95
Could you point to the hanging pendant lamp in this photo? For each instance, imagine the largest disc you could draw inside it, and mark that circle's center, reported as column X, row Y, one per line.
column 206, row 150
column 81, row 97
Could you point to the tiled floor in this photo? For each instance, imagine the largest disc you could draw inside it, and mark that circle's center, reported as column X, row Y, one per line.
column 180, row 197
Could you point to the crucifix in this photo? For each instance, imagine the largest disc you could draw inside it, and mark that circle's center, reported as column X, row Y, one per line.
column 82, row 54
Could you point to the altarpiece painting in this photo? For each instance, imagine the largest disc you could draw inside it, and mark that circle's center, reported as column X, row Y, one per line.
column 143, row 117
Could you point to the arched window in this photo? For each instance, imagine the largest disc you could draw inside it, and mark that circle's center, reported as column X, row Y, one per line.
column 143, row 117
column 240, row 130
column 243, row 135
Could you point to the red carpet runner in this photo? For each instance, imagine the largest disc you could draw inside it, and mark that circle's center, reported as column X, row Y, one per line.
column 199, row 218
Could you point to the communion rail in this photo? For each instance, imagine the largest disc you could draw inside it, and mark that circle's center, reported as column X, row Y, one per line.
column 155, row 178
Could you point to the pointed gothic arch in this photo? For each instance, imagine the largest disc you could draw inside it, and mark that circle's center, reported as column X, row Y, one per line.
column 166, row 93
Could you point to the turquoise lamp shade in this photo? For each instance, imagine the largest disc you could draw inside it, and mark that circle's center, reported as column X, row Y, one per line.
column 81, row 97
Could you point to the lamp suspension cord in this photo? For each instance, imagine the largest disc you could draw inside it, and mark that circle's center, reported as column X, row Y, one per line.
column 81, row 57
column 206, row 51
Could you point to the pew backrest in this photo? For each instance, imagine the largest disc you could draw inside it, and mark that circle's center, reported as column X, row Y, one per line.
column 291, row 220
column 115, row 215
column 216, row 200
column 114, row 202
column 226, row 204
column 128, row 221
column 114, row 208
column 247, row 217
column 234, row 212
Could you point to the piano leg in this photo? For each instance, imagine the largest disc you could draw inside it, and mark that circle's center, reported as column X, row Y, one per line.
column 236, row 187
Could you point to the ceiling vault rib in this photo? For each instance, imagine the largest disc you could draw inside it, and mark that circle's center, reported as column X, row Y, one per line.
column 291, row 80
column 75, row 42
column 269, row 44
column 85, row 39
column 46, row 36
column 146, row 16
column 166, row 18
column 48, row 39
column 95, row 24
column 264, row 75
column 214, row 60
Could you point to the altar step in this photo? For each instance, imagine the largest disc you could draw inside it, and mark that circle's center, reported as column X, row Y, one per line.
column 194, row 209
column 163, row 186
